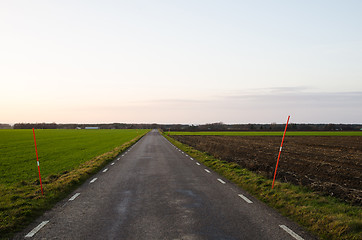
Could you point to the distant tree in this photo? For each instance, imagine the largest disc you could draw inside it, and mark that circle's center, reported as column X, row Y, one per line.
column 293, row 127
column 5, row 126
column 330, row 127
column 251, row 126
column 35, row 125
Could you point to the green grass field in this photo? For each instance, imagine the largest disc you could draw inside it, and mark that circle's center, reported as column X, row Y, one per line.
column 67, row 158
column 335, row 133
column 59, row 150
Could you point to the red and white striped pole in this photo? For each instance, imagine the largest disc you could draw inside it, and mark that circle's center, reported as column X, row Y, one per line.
column 37, row 160
column 280, row 151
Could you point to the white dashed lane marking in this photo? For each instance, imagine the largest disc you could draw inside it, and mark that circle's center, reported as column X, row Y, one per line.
column 198, row 164
column 207, row 171
column 221, row 181
column 93, row 180
column 293, row 234
column 245, row 198
column 105, row 170
column 35, row 230
column 112, row 163
column 74, row 197
column 191, row 159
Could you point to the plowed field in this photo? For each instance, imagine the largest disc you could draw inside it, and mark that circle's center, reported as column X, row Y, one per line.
column 329, row 165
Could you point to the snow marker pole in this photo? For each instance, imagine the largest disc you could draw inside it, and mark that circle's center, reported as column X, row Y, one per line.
column 280, row 151
column 37, row 160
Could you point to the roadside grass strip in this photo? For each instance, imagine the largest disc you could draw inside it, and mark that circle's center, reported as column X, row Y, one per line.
column 325, row 216
column 21, row 201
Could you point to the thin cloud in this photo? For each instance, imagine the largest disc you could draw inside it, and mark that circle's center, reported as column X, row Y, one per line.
column 267, row 105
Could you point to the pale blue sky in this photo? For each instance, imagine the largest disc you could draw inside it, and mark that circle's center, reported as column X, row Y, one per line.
column 181, row 61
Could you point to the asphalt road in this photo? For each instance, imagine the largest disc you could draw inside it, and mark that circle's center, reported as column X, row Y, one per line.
column 155, row 191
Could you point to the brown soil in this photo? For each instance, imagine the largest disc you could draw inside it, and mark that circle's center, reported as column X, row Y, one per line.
column 330, row 165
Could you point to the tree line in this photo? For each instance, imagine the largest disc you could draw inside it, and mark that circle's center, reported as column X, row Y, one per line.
column 203, row 127
column 5, row 126
column 263, row 127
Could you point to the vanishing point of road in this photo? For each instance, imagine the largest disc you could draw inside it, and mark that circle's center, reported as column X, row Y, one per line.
column 156, row 191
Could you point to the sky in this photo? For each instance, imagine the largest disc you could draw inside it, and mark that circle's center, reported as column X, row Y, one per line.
column 190, row 62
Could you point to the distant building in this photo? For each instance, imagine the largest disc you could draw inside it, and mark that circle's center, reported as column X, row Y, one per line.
column 91, row 128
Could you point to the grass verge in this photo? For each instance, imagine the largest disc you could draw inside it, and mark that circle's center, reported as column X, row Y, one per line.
column 20, row 204
column 326, row 217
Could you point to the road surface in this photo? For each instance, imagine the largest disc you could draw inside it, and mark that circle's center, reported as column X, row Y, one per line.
column 155, row 191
